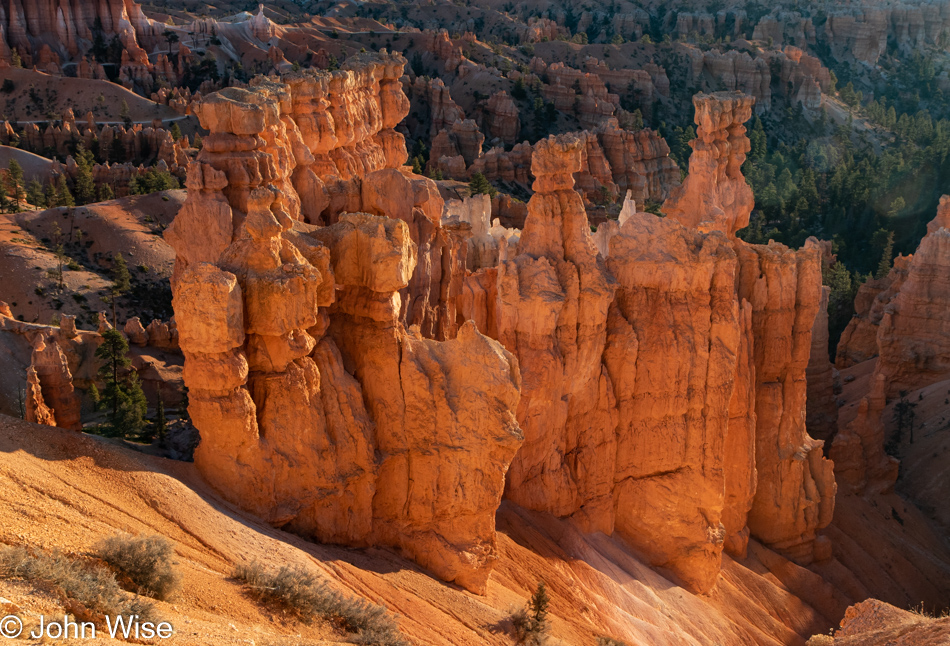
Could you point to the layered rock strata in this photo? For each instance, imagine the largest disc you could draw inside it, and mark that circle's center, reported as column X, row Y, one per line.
column 664, row 380
column 317, row 409
column 715, row 194
column 907, row 326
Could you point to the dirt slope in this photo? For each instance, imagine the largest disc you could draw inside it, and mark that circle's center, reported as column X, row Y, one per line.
column 65, row 490
column 131, row 225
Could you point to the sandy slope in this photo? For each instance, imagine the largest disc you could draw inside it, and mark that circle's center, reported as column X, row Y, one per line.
column 65, row 490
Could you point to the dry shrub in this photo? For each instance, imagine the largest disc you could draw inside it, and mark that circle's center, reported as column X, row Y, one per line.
column 301, row 593
column 146, row 561
column 609, row 641
column 91, row 586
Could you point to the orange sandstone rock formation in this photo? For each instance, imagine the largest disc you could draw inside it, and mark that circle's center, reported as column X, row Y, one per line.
column 317, row 409
column 664, row 387
column 51, row 398
column 909, row 321
column 914, row 335
column 715, row 194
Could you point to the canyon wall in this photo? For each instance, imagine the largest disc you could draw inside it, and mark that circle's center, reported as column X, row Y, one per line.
column 664, row 385
column 353, row 383
column 904, row 321
column 317, row 409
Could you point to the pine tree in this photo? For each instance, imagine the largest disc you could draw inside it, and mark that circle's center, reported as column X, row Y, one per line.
column 479, row 185
column 125, row 114
column 123, row 392
column 93, row 393
column 15, row 59
column 121, row 282
column 85, row 186
column 63, row 196
column 35, row 195
column 539, row 604
column 15, row 182
column 105, row 193
column 161, row 423
column 175, row 132
column 884, row 265
column 197, row 143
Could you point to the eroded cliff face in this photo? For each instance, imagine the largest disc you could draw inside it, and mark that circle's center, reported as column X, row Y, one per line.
column 914, row 335
column 904, row 320
column 664, row 385
column 659, row 383
column 317, row 409
column 68, row 27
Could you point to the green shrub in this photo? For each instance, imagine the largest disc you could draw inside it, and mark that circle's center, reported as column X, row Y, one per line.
column 146, row 561
column 299, row 592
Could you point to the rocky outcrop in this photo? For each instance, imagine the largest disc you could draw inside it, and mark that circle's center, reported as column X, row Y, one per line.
column 639, row 162
column 858, row 342
column 68, row 27
column 795, row 493
column 551, row 312
column 740, row 72
column 906, row 324
column 317, row 409
column 913, row 338
column 715, row 194
column 35, row 408
column 56, row 403
column 444, row 111
column 503, row 121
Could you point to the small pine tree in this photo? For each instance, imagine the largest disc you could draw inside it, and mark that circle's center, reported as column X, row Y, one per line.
column 125, row 114
column 121, row 282
column 161, row 423
column 63, row 196
column 15, row 182
column 15, row 59
column 121, row 279
column 105, row 193
column 176, row 132
column 85, row 186
column 123, row 392
column 94, row 396
column 197, row 143
column 539, row 604
column 479, row 184
column 35, row 195
column 884, row 266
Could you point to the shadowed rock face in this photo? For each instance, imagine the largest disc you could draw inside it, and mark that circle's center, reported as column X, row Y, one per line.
column 904, row 319
column 317, row 410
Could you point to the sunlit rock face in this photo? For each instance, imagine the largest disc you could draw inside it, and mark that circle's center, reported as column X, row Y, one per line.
column 664, row 385
column 317, row 409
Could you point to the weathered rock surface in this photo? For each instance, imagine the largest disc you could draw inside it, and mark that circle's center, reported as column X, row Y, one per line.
column 715, row 194
column 914, row 335
column 503, row 121
column 55, row 403
column 317, row 410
